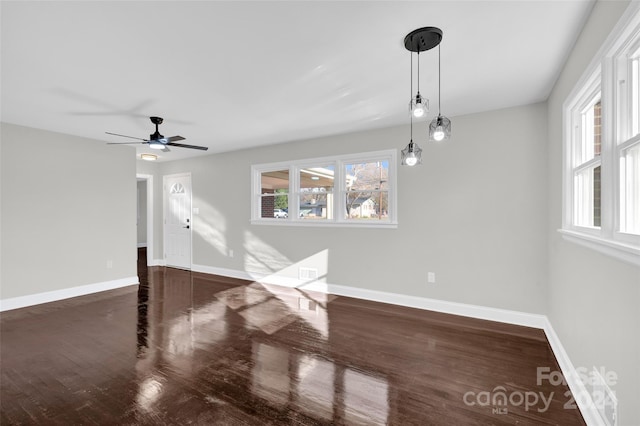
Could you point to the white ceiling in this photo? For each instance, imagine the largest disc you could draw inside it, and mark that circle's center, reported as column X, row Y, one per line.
column 233, row 75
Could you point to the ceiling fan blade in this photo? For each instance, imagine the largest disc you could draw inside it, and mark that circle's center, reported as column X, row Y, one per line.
column 175, row 138
column 124, row 143
column 181, row 145
column 165, row 149
column 125, row 136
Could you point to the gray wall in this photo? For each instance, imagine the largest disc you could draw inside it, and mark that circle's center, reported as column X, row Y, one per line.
column 594, row 300
column 474, row 214
column 68, row 206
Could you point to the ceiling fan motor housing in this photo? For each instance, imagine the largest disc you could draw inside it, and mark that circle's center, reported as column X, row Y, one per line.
column 156, row 136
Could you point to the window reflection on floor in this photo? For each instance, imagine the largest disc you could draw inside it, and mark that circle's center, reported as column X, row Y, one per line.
column 365, row 399
column 270, row 374
column 318, row 387
column 315, row 388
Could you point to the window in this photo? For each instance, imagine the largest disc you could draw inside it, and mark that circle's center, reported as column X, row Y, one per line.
column 349, row 190
column 601, row 207
column 316, row 192
column 274, row 194
column 587, row 163
column 628, row 147
column 366, row 191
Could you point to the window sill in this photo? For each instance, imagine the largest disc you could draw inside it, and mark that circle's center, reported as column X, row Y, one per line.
column 324, row 224
column 616, row 249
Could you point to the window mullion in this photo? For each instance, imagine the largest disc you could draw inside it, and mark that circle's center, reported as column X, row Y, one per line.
column 294, row 192
column 340, row 189
column 609, row 166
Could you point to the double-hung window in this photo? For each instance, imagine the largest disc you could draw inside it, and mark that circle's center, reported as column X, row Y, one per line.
column 601, row 206
column 349, row 190
column 627, row 147
column 586, row 158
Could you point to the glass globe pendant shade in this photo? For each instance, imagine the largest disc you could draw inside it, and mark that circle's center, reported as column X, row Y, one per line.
column 419, row 106
column 411, row 155
column 440, row 129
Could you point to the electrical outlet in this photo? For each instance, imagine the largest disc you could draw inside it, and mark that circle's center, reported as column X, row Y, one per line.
column 109, row 264
column 230, row 252
column 431, row 277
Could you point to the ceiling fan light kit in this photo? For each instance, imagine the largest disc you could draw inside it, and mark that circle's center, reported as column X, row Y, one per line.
column 421, row 40
column 153, row 144
column 157, row 140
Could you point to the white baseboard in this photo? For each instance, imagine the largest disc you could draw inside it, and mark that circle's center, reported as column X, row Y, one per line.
column 463, row 309
column 65, row 293
column 455, row 308
column 140, row 245
column 156, row 262
column 582, row 396
column 231, row 273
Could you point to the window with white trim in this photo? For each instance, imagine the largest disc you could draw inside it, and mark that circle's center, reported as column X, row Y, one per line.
column 586, row 161
column 349, row 190
column 628, row 139
column 601, row 206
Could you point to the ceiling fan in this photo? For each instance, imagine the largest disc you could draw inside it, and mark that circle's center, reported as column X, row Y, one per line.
column 156, row 140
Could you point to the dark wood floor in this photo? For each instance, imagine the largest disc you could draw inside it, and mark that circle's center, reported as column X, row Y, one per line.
column 189, row 348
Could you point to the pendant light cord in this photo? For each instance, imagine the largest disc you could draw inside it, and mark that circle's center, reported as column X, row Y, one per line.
column 411, row 87
column 418, row 71
column 439, row 78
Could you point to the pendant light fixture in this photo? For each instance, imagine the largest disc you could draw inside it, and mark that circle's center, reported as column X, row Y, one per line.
column 418, row 41
column 440, row 127
column 418, row 106
column 411, row 154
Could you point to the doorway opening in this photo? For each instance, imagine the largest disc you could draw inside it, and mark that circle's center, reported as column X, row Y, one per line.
column 145, row 217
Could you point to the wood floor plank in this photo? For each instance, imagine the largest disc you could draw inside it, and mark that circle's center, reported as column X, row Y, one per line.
column 192, row 348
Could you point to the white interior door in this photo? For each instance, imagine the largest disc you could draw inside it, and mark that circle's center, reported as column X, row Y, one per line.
column 177, row 220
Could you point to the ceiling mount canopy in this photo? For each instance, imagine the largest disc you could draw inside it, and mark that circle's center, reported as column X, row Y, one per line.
column 423, row 39
column 157, row 121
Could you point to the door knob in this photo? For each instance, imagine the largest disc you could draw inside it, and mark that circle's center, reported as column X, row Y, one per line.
column 186, row 226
